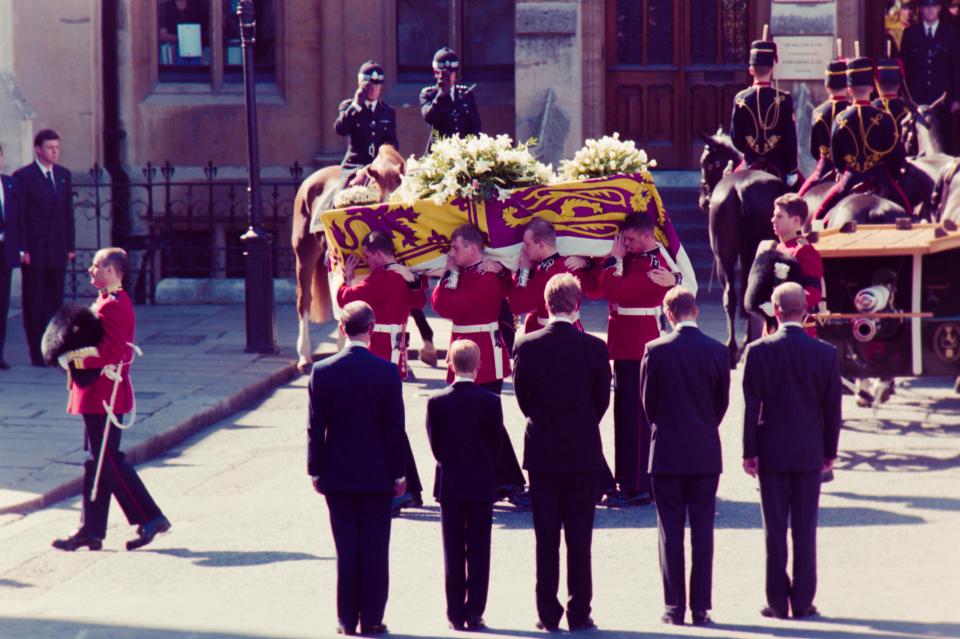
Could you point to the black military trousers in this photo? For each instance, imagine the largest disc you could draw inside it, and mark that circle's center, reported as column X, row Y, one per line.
column 678, row 497
column 361, row 534
column 426, row 333
column 790, row 497
column 42, row 297
column 507, row 471
column 631, row 432
column 6, row 275
column 414, row 485
column 564, row 501
column 117, row 478
column 466, row 527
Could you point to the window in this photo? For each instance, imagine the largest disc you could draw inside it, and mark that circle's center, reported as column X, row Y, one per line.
column 481, row 32
column 199, row 41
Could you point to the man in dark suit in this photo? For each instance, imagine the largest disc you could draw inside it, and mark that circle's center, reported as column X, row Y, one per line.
column 355, row 455
column 685, row 385
column 48, row 239
column 562, row 381
column 464, row 423
column 791, row 427
column 11, row 222
column 930, row 51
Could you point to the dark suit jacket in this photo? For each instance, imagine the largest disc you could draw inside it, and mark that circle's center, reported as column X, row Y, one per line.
column 685, row 386
column 562, row 380
column 791, row 391
column 465, row 426
column 355, row 439
column 931, row 71
column 12, row 221
column 48, row 219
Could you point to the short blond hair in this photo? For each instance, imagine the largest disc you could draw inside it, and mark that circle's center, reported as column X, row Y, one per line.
column 562, row 294
column 791, row 299
column 464, row 356
column 680, row 302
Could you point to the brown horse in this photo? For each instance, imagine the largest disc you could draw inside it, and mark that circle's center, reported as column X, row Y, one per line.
column 313, row 288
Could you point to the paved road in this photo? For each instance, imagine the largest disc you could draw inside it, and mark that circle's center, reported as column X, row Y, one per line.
column 251, row 555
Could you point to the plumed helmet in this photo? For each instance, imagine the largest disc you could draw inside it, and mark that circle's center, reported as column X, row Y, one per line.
column 889, row 71
column 860, row 72
column 763, row 53
column 837, row 74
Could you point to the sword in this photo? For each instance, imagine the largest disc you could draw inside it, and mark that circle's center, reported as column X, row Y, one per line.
column 115, row 373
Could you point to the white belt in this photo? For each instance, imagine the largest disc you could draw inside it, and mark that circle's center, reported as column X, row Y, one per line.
column 639, row 310
column 394, row 330
column 490, row 329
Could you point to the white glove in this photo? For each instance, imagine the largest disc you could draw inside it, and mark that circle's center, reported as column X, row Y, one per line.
column 781, row 270
column 767, row 308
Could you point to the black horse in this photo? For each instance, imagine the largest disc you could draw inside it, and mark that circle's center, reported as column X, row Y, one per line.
column 739, row 206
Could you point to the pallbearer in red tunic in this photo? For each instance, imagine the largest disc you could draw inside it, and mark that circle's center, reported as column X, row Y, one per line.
column 539, row 261
column 789, row 214
column 391, row 290
column 634, row 279
column 470, row 295
column 118, row 478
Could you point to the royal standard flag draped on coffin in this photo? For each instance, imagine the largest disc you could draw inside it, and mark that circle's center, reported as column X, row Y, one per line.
column 586, row 216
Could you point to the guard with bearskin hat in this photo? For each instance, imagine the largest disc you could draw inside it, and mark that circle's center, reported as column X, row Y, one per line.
column 449, row 108
column 824, row 115
column 367, row 119
column 865, row 143
column 763, row 126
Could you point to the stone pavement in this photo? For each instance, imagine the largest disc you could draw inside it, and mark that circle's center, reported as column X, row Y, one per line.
column 194, row 373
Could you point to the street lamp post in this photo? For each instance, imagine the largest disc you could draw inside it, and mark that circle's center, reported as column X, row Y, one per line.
column 258, row 298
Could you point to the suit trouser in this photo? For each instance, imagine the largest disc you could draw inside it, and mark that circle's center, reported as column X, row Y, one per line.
column 631, row 432
column 676, row 497
column 507, row 472
column 793, row 497
column 117, row 478
column 466, row 529
column 6, row 275
column 42, row 297
column 414, row 485
column 567, row 501
column 361, row 533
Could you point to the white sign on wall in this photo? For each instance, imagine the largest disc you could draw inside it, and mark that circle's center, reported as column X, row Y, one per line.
column 803, row 57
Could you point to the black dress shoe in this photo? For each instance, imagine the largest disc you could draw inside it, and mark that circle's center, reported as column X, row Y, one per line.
column 628, row 500
column 542, row 625
column 807, row 612
column 476, row 623
column 149, row 530
column 521, row 499
column 457, row 625
column 672, row 619
column 78, row 539
column 344, row 629
column 701, row 618
column 586, row 624
column 769, row 611
column 375, row 629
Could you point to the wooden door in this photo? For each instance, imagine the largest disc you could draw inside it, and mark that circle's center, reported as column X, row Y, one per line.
column 673, row 67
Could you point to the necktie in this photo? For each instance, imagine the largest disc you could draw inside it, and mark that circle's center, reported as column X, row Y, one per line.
column 1, row 212
column 53, row 185
column 930, row 33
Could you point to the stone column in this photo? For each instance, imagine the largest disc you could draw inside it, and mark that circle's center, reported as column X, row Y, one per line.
column 548, row 81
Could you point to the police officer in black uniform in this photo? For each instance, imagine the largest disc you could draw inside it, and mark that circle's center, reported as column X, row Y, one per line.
column 449, row 108
column 930, row 51
column 889, row 79
column 835, row 82
column 368, row 120
column 763, row 126
column 865, row 142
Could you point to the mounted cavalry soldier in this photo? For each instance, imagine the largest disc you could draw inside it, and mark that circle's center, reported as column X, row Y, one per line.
column 823, row 118
column 889, row 79
column 763, row 126
column 865, row 143
column 368, row 120
column 449, row 108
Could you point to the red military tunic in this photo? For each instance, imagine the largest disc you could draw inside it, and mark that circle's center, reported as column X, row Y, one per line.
column 116, row 315
column 634, row 302
column 391, row 298
column 472, row 300
column 528, row 288
column 811, row 265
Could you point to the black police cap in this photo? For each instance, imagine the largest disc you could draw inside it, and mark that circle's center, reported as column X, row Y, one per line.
column 446, row 58
column 372, row 72
column 860, row 72
column 931, row 3
column 763, row 53
column 837, row 74
column 889, row 71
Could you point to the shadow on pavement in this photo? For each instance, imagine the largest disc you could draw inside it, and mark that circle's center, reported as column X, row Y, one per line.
column 891, row 629
column 900, row 428
column 237, row 558
column 743, row 514
column 13, row 583
column 910, row 501
column 886, row 461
